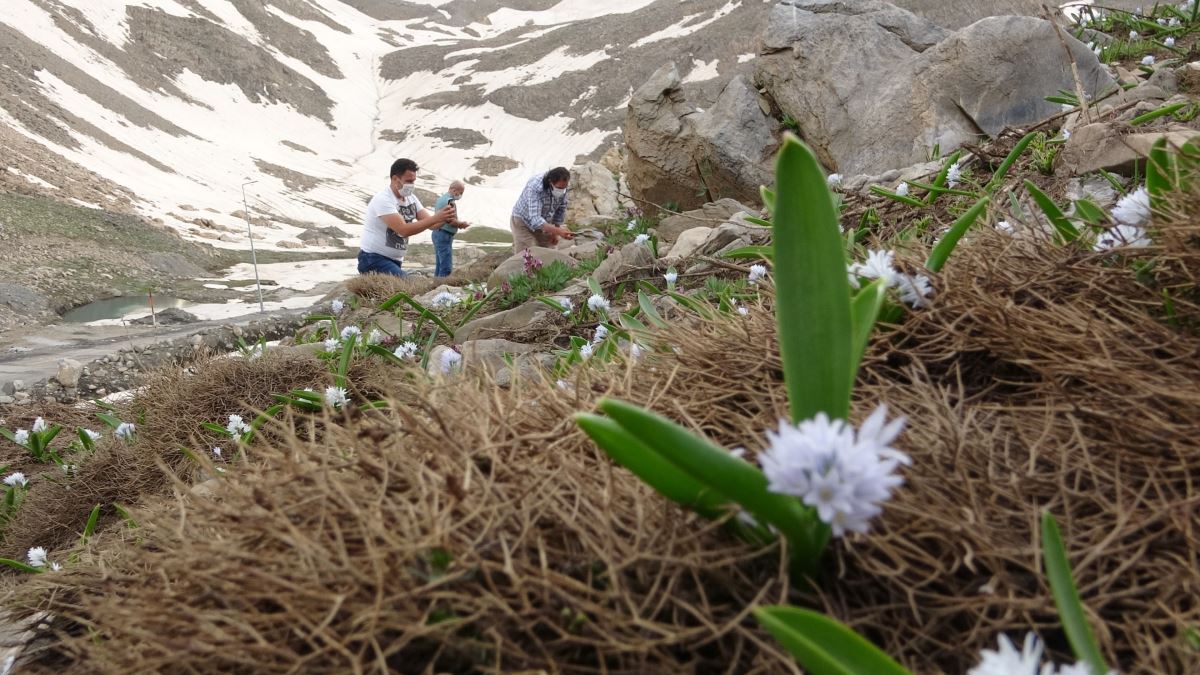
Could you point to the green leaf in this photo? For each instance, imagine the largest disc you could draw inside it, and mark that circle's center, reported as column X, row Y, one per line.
column 339, row 378
column 753, row 252
column 1088, row 212
column 654, row 470
column 422, row 310
column 733, row 478
column 88, row 443
column 16, row 565
column 216, row 428
column 823, row 645
column 386, row 353
column 111, row 420
column 939, row 181
column 1066, row 597
column 941, row 252
column 594, row 286
column 768, row 198
column 49, row 434
column 475, row 309
column 651, row 313
column 696, row 306
column 124, row 513
column 813, row 293
column 1162, row 173
column 903, row 199
column 9, row 435
column 631, row 323
column 1002, row 171
column 552, row 304
column 864, row 311
column 1065, row 230
column 1157, row 113
column 90, row 528
column 758, row 221
column 941, row 190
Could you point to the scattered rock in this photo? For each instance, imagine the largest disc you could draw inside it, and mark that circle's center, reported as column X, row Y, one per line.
column 69, row 372
column 503, row 323
column 687, row 244
column 1103, row 145
column 708, row 215
column 171, row 316
column 490, row 354
column 631, row 256
column 291, row 243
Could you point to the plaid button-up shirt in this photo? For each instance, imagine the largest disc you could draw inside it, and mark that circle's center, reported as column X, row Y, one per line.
column 537, row 206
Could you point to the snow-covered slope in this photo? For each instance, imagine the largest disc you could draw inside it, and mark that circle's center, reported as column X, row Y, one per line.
column 167, row 107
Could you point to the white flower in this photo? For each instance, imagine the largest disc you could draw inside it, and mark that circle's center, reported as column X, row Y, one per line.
column 1169, row 42
column 1097, row 51
column 39, row 425
column 902, row 189
column 16, row 479
column 845, row 475
column 597, row 303
column 879, row 265
column 375, row 337
column 635, row 351
column 757, row 272
column 94, row 435
column 1066, row 134
column 834, row 181
column 561, row 384
column 1174, row 22
column 1006, row 227
column 69, row 468
column 743, row 311
column 55, row 567
column 450, row 359
column 125, row 430
column 332, row 344
column 216, row 452
column 351, row 331
column 445, row 299
column 954, row 174
column 641, row 239
column 1133, row 208
column 601, row 334
column 630, row 225
column 914, row 289
column 671, row 277
column 22, row 437
column 407, row 350
column 1148, row 60
column 236, row 426
column 335, row 396
column 585, row 352
column 567, row 307
column 36, row 557
column 1133, row 35
column 1008, row 661
column 1131, row 236
column 337, row 306
column 1160, row 21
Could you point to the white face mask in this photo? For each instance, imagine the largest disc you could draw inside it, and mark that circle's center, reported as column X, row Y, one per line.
column 558, row 192
column 406, row 190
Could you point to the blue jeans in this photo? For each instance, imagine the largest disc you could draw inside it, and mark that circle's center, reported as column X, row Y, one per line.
column 443, row 251
column 379, row 264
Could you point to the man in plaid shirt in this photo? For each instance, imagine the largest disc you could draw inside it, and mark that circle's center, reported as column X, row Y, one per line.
column 537, row 218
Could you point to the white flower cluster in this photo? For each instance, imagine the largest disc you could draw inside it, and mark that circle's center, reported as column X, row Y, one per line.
column 757, row 273
column 844, row 474
column 375, row 336
column 351, row 331
column 641, row 239
column 39, row 425
column 902, row 189
column 834, row 181
column 445, row 299
column 337, row 306
column 94, row 435
column 630, row 225
column 335, row 396
column 1028, row 661
column 567, row 306
column 954, row 174
column 1130, row 212
column 671, row 276
column 237, row 426
column 914, row 289
column 125, row 430
column 450, row 359
column 22, row 437
column 16, row 479
column 598, row 303
column 407, row 350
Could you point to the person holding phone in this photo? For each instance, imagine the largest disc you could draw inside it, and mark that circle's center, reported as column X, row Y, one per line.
column 537, row 217
column 393, row 215
column 443, row 237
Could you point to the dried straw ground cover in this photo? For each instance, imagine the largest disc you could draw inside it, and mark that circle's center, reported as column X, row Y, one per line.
column 475, row 529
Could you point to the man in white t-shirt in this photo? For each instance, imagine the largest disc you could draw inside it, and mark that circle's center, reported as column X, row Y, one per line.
column 394, row 215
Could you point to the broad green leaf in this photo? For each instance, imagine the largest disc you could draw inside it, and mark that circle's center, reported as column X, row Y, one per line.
column 1157, row 113
column 17, row 565
column 215, row 428
column 552, row 304
column 696, row 306
column 49, row 434
column 594, row 286
column 1065, row 230
column 88, row 443
column 111, row 420
column 422, row 310
column 941, row 190
column 651, row 313
column 758, row 221
column 124, row 513
column 339, row 378
column 941, row 252
column 812, row 291
column 1002, row 171
column 754, row 252
column 657, row 472
column 631, row 323
column 824, row 645
column 475, row 309
column 1066, row 597
column 768, row 198
column 1088, row 212
column 386, row 354
column 9, row 435
column 90, row 527
column 864, row 310
column 1162, row 173
column 939, row 182
column 733, row 478
column 903, row 199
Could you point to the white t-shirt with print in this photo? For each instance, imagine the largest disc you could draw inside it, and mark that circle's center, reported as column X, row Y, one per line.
column 376, row 237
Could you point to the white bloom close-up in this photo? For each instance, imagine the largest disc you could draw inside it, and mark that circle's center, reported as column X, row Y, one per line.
column 1120, row 236
column 55, row 567
column 39, row 425
column 351, row 331
column 879, row 265
column 567, row 306
column 1133, row 35
column 237, row 426
column 954, row 174
column 36, row 557
column 16, row 479
column 585, row 352
column 335, row 396
column 375, row 336
column 332, row 344
column 598, row 303
column 1133, row 208
column 216, row 452
column 406, row 350
column 635, row 351
column 561, row 384
column 450, row 359
column 337, row 306
column 834, row 180
column 1148, row 60
column 641, row 239
column 757, row 272
column 743, row 310
column 125, row 430
column 68, row 468
column 914, row 289
column 94, row 435
column 1008, row 660
column 671, row 277
column 902, row 189
column 630, row 225
column 445, row 299
column 1066, row 134
column 1006, row 227
column 843, row 473
column 601, row 334
column 22, row 436
column 1169, row 42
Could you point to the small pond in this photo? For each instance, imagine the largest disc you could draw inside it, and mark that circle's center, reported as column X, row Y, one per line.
column 115, row 308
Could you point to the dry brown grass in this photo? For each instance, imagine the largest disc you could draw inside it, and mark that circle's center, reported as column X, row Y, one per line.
column 1040, row 379
column 380, row 286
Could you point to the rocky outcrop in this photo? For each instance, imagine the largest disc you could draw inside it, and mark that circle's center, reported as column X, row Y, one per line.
column 516, row 263
column 593, row 192
column 708, row 215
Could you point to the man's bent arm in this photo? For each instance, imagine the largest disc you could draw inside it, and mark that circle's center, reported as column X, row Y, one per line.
column 425, row 221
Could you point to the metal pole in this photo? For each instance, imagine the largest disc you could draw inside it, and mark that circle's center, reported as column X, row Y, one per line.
column 253, row 254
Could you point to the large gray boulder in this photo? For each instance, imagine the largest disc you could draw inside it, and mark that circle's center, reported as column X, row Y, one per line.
column 661, row 141
column 516, row 263
column 593, row 193
column 899, row 100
